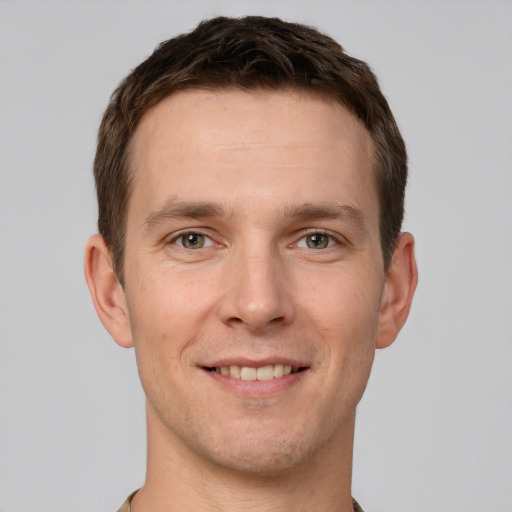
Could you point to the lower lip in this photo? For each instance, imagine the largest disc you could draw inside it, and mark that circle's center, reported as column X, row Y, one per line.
column 257, row 388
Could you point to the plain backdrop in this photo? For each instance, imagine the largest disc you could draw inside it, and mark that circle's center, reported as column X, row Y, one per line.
column 434, row 429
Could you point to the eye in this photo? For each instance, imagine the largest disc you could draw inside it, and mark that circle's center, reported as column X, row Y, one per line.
column 317, row 241
column 193, row 240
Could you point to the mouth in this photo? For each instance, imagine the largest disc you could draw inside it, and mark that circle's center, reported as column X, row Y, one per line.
column 267, row 372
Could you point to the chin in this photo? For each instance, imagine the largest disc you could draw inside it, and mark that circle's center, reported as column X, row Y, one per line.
column 262, row 456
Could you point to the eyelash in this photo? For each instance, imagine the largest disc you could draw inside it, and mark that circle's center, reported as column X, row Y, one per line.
column 332, row 240
column 174, row 240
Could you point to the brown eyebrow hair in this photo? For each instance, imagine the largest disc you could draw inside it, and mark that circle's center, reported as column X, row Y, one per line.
column 174, row 209
column 309, row 211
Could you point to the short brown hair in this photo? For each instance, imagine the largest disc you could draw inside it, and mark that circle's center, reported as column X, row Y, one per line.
column 246, row 53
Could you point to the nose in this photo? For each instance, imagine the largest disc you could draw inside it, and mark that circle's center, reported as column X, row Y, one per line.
column 258, row 295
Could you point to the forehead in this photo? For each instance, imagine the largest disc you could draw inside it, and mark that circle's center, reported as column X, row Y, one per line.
column 238, row 113
column 258, row 144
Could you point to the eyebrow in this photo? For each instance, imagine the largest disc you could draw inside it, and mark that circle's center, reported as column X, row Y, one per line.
column 326, row 211
column 174, row 209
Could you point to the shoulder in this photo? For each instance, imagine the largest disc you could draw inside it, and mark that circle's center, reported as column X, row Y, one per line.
column 125, row 507
column 355, row 505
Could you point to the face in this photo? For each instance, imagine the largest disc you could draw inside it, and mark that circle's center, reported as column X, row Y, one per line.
column 253, row 274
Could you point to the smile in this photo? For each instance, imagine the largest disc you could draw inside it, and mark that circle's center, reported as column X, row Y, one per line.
column 266, row 372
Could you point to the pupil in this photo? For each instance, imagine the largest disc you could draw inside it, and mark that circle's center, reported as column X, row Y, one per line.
column 193, row 241
column 317, row 241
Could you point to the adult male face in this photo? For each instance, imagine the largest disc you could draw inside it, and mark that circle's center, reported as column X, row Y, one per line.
column 252, row 245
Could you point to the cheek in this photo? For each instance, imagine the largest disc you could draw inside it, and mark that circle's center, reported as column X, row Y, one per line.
column 168, row 310
column 346, row 316
column 347, row 306
column 168, row 302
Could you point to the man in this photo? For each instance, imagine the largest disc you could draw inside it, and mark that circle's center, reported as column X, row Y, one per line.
column 250, row 181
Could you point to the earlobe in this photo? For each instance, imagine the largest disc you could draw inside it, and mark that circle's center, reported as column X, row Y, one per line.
column 106, row 291
column 401, row 281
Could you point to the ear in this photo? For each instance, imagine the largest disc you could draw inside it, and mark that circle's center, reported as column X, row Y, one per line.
column 401, row 281
column 106, row 291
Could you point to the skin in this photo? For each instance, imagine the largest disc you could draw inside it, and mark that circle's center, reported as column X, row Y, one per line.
column 254, row 180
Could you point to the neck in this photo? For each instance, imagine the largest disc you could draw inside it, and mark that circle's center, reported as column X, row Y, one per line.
column 179, row 479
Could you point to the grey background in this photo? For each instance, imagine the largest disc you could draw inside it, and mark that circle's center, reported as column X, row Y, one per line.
column 434, row 429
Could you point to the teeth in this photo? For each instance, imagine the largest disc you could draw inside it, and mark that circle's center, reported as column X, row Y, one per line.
column 265, row 372
column 235, row 371
column 248, row 373
column 262, row 373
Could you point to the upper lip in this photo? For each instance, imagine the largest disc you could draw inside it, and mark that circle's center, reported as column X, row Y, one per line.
column 256, row 363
